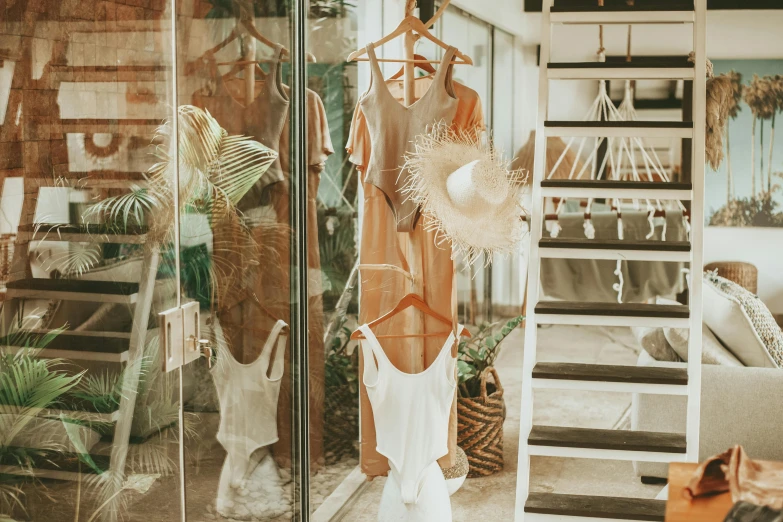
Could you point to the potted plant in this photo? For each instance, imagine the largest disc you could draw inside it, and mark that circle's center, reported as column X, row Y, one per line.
column 480, row 406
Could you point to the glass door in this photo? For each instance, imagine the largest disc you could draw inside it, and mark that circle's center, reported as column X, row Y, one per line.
column 239, row 258
column 90, row 424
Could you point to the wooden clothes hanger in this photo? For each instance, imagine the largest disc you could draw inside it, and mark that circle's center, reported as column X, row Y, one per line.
column 405, row 303
column 410, row 24
column 422, row 64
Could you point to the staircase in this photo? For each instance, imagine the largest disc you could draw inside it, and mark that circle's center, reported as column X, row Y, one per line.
column 573, row 442
column 126, row 348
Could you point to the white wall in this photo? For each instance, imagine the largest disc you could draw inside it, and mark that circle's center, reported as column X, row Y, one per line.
column 730, row 35
column 761, row 246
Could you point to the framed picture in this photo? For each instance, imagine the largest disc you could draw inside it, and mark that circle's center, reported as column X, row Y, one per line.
column 747, row 188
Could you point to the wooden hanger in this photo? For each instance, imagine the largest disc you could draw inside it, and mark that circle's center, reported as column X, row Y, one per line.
column 410, row 24
column 406, row 302
column 422, row 64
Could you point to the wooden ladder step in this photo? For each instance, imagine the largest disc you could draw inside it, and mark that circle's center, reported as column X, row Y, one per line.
column 82, row 233
column 620, row 129
column 585, row 506
column 74, row 290
column 614, row 249
column 90, row 346
column 558, row 441
column 612, row 378
column 611, row 314
column 599, row 188
column 619, row 12
column 640, row 68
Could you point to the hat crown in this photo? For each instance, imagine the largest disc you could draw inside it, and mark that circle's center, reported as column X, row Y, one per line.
column 475, row 186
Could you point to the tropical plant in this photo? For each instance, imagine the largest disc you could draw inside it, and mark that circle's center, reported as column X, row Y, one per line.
column 734, row 108
column 479, row 352
column 760, row 97
column 215, row 171
column 775, row 102
column 28, row 385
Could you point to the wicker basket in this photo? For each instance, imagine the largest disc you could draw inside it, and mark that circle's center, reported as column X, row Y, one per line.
column 480, row 428
column 744, row 274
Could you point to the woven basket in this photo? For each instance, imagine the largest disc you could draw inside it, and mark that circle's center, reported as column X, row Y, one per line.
column 480, row 428
column 744, row 274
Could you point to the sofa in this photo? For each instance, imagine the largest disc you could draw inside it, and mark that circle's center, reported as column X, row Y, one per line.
column 739, row 405
column 742, row 378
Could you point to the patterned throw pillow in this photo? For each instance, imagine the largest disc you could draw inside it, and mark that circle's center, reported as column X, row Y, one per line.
column 742, row 322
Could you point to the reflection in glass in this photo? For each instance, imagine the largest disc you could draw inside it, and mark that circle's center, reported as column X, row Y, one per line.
column 88, row 421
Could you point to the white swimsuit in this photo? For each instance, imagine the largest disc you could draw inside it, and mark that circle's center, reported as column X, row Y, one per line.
column 411, row 412
column 248, row 404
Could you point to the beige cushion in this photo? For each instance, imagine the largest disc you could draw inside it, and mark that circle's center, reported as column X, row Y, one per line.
column 742, row 322
column 712, row 351
column 654, row 343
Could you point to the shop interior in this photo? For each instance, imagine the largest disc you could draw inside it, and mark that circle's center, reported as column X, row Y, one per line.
column 395, row 260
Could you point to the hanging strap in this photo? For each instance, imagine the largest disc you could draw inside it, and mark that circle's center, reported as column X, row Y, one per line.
column 266, row 352
column 372, row 361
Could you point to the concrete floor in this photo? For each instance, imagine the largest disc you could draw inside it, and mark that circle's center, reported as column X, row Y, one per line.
column 492, row 498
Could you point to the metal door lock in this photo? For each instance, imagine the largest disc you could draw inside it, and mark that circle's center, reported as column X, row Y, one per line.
column 180, row 336
column 206, row 351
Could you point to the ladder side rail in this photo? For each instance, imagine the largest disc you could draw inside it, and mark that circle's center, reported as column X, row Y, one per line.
column 534, row 269
column 697, row 231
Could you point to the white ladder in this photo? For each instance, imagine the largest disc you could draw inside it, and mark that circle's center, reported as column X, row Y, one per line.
column 613, row 444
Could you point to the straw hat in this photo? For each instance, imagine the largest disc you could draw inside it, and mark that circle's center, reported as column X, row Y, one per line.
column 465, row 192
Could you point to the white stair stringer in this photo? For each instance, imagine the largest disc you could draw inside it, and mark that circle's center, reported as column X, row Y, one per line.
column 633, row 446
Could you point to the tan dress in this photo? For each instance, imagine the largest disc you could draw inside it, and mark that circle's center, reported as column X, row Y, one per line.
column 381, row 243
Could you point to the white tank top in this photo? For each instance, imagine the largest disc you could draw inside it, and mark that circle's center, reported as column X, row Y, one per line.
column 411, row 412
column 248, row 396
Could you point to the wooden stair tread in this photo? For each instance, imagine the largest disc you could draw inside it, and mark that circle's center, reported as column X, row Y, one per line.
column 73, row 342
column 610, row 373
column 596, row 507
column 587, row 6
column 615, row 244
column 58, row 461
column 620, row 124
column 623, row 440
column 53, row 228
column 75, row 285
column 612, row 309
column 641, row 62
column 614, row 184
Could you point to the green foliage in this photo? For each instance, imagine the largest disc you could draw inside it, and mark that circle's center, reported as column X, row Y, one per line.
column 27, row 386
column 342, row 364
column 337, row 248
column 479, row 352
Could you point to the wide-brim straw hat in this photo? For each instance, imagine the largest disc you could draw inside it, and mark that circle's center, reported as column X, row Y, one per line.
column 466, row 193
